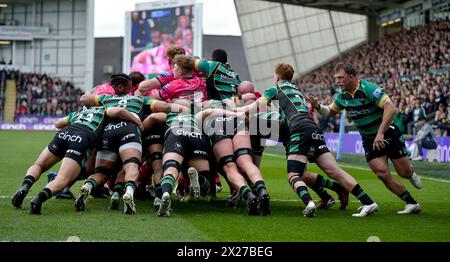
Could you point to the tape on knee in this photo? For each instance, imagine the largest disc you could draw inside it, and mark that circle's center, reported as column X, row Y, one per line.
column 294, row 179
column 295, row 166
column 156, row 156
column 132, row 160
column 103, row 170
column 171, row 163
column 225, row 160
column 241, row 152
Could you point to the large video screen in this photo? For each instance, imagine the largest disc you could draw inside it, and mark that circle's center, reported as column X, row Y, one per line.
column 153, row 31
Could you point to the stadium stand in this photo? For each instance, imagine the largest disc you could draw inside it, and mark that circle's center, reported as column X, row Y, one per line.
column 45, row 95
column 35, row 94
column 413, row 66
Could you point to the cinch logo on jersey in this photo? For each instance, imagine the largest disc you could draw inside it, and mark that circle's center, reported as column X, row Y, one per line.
column 317, row 136
column 353, row 113
column 71, row 138
column 115, row 126
column 182, row 132
column 224, row 119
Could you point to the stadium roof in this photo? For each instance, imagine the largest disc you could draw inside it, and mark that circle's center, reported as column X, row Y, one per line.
column 368, row 7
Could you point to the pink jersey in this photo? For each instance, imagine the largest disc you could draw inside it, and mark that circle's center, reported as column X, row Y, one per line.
column 167, row 77
column 104, row 89
column 153, row 92
column 192, row 88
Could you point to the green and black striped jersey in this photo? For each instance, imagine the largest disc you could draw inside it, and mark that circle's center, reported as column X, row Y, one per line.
column 364, row 107
column 93, row 118
column 291, row 101
column 222, row 82
column 139, row 105
column 182, row 120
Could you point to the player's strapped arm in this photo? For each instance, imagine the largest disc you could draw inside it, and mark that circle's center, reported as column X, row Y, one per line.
column 160, row 106
column 153, row 119
column 146, row 86
column 253, row 107
column 212, row 112
column 122, row 113
column 65, row 121
column 205, row 66
column 326, row 111
column 62, row 122
column 89, row 100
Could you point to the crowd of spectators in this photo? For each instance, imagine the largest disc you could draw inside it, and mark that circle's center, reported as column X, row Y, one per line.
column 413, row 67
column 44, row 95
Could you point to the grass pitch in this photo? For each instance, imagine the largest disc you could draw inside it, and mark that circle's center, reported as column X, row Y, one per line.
column 204, row 221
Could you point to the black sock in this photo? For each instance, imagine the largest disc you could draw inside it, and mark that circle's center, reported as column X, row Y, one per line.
column 321, row 192
column 28, row 181
column 203, row 179
column 406, row 196
column 359, row 193
column 44, row 195
column 328, row 183
column 119, row 188
column 158, row 190
column 245, row 191
column 302, row 192
column 260, row 185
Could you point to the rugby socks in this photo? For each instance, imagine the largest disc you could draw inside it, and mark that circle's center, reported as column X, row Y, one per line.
column 158, row 191
column 359, row 193
column 328, row 183
column 260, row 188
column 90, row 183
column 245, row 191
column 167, row 183
column 44, row 195
column 203, row 179
column 302, row 192
column 28, row 181
column 406, row 196
column 119, row 188
column 130, row 187
column 321, row 192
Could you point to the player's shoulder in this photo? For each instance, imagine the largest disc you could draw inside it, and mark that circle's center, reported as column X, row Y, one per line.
column 165, row 74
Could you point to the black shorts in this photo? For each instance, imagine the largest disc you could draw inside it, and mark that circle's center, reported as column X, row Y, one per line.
column 119, row 133
column 189, row 143
column 395, row 145
column 222, row 127
column 73, row 142
column 309, row 142
column 156, row 135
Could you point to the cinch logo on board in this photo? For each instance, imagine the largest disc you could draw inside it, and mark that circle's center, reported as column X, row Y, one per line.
column 69, row 137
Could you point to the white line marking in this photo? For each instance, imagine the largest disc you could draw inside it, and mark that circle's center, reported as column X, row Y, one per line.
column 368, row 169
